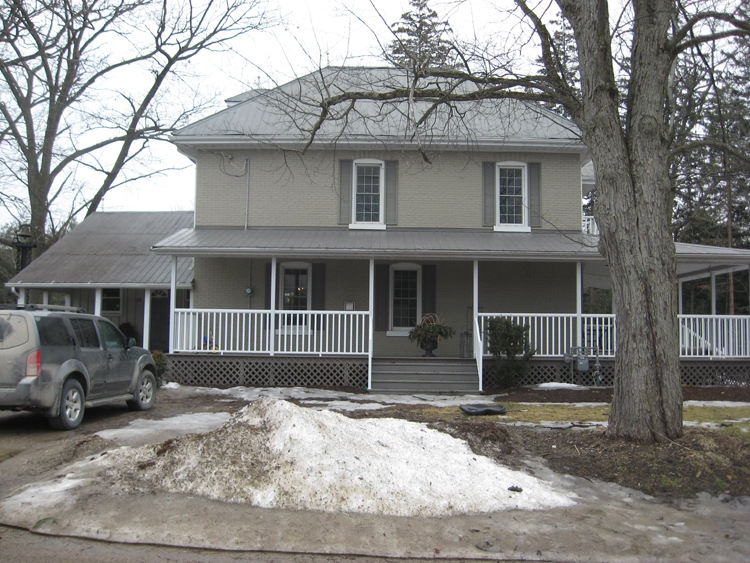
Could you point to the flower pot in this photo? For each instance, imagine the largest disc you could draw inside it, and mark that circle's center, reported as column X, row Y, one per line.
column 428, row 346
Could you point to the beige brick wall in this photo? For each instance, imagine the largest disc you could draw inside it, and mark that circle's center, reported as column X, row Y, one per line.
column 504, row 287
column 527, row 287
column 290, row 189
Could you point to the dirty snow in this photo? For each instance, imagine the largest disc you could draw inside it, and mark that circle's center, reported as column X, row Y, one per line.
column 555, row 385
column 339, row 400
column 274, row 454
column 189, row 423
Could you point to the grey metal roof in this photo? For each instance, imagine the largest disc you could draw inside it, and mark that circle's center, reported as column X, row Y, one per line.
column 111, row 249
column 285, row 115
column 436, row 244
column 391, row 243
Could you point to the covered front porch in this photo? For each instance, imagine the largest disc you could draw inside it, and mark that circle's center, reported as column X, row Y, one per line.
column 332, row 345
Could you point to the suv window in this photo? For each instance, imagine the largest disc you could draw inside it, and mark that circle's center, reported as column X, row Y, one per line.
column 85, row 333
column 52, row 332
column 14, row 330
column 111, row 336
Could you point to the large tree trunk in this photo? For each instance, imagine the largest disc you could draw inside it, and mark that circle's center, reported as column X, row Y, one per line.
column 633, row 209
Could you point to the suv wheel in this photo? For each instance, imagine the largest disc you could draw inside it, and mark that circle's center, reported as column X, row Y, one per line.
column 145, row 392
column 72, row 405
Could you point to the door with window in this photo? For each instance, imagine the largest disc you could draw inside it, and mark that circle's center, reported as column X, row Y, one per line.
column 91, row 354
column 121, row 361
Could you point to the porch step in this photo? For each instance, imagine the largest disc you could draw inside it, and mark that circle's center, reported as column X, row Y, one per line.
column 424, row 375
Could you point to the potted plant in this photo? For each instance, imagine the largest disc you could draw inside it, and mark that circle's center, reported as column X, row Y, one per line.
column 428, row 332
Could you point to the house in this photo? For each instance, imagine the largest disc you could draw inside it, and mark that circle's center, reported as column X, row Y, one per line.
column 310, row 267
column 105, row 266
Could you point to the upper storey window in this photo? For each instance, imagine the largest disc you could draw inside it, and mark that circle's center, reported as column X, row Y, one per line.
column 512, row 199
column 369, row 192
column 512, row 196
column 368, row 197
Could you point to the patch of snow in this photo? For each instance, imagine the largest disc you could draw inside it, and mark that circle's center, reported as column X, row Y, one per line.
column 171, row 385
column 556, row 385
column 340, row 398
column 180, row 425
column 726, row 404
column 275, row 454
column 576, row 405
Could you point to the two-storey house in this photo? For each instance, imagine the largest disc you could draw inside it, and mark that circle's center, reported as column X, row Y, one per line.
column 311, row 266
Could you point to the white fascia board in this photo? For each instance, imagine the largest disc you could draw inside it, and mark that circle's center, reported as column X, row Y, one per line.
column 93, row 285
column 191, row 145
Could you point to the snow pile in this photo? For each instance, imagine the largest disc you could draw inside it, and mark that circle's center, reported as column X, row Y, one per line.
column 274, row 454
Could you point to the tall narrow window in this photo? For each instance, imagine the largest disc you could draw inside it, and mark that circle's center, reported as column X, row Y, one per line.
column 369, row 193
column 405, row 296
column 512, row 196
column 295, row 289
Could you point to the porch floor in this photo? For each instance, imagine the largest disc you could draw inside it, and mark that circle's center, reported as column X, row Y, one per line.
column 437, row 375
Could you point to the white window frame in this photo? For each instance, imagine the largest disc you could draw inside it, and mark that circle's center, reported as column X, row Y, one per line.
column 118, row 300
column 403, row 330
column 375, row 225
column 524, row 226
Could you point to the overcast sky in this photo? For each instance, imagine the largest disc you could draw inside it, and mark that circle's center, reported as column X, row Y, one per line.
column 314, row 33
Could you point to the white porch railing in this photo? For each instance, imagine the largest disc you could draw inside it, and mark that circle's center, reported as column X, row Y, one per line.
column 589, row 226
column 249, row 332
column 716, row 336
column 555, row 334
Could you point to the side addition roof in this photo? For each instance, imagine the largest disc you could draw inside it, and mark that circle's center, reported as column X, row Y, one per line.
column 111, row 250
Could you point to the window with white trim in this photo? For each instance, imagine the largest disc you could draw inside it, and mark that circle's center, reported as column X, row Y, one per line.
column 512, row 197
column 111, row 300
column 368, row 193
column 405, row 296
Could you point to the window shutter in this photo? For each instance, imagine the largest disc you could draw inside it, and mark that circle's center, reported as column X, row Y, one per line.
column 318, row 287
column 535, row 194
column 382, row 290
column 429, row 289
column 345, row 191
column 488, row 194
column 391, row 192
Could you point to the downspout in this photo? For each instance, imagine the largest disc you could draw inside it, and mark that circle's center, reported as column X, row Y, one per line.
column 579, row 304
column 247, row 192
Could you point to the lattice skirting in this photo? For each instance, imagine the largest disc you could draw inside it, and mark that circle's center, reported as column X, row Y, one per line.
column 692, row 372
column 223, row 371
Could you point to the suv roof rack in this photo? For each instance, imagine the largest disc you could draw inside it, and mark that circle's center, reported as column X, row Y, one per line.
column 41, row 307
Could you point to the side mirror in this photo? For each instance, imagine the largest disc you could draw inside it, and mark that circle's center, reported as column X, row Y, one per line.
column 131, row 343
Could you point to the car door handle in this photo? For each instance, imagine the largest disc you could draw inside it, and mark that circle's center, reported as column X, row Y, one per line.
column 109, row 357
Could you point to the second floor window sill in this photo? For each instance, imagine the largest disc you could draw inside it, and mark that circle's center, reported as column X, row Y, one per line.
column 512, row 229
column 367, row 226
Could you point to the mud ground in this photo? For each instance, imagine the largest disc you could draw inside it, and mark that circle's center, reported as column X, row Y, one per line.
column 710, row 527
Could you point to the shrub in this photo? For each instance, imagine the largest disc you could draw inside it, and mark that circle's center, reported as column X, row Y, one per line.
column 509, row 344
column 160, row 359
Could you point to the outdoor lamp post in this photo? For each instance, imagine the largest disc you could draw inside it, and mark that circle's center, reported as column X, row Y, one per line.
column 23, row 242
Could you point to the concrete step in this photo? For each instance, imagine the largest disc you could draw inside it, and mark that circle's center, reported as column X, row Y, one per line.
column 424, row 375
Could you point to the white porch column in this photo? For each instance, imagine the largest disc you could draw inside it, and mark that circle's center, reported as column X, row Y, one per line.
column 172, row 303
column 371, row 323
column 579, row 304
column 679, row 298
column 272, row 336
column 98, row 301
column 67, row 299
column 45, row 298
column 21, row 296
column 713, row 293
column 478, row 354
column 147, row 317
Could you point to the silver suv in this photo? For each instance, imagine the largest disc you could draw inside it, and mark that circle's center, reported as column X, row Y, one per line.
column 59, row 363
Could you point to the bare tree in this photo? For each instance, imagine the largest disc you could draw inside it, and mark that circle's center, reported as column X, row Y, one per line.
column 623, row 109
column 84, row 87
